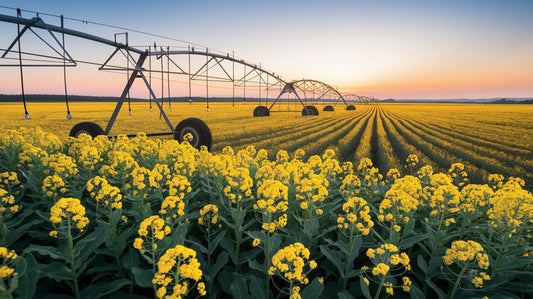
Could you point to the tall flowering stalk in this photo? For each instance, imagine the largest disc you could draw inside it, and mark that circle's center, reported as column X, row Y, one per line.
column 471, row 260
column 8, row 275
column 292, row 264
column 272, row 204
column 8, row 208
column 177, row 272
column 388, row 262
column 68, row 216
column 354, row 221
column 108, row 201
column 399, row 205
column 151, row 231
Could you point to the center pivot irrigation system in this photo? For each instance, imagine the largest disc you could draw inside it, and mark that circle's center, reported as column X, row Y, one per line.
column 214, row 67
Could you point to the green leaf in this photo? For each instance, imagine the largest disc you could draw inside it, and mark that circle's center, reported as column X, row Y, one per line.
column 130, row 259
column 28, row 277
column 222, row 260
column 104, row 288
column 344, row 295
column 239, row 288
column 313, row 290
column 216, row 241
column 333, row 256
column 55, row 270
column 437, row 290
column 230, row 249
column 15, row 232
column 356, row 246
column 257, row 287
column 415, row 292
column 47, row 251
column 409, row 242
column 249, row 255
column 115, row 217
column 422, row 264
column 364, row 288
column 143, row 277
column 88, row 244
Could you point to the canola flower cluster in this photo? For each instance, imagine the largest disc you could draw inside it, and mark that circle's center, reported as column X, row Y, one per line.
column 292, row 263
column 67, row 214
column 388, row 262
column 108, row 198
column 356, row 217
column 7, row 205
column 176, row 269
column 7, row 271
column 151, row 230
column 471, row 257
column 208, row 216
column 272, row 204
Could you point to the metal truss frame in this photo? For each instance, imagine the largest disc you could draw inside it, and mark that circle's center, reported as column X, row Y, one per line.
column 253, row 76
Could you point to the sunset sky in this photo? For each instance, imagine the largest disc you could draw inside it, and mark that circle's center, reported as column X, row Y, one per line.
column 385, row 49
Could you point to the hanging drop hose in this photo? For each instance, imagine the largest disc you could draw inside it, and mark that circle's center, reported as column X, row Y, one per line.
column 150, row 74
column 207, row 78
column 65, row 70
column 168, row 77
column 244, row 83
column 233, row 79
column 128, row 72
column 266, row 100
column 189, row 54
column 259, row 87
column 26, row 115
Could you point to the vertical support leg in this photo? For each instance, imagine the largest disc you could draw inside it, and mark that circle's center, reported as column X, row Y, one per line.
column 125, row 92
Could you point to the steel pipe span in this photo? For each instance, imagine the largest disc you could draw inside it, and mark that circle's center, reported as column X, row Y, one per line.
column 255, row 76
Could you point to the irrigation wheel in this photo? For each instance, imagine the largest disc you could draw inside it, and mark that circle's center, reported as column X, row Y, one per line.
column 350, row 107
column 311, row 110
column 201, row 135
column 86, row 127
column 261, row 111
column 328, row 108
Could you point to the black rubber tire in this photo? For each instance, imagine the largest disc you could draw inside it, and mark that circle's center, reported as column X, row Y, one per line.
column 350, row 107
column 315, row 109
column 312, row 110
column 328, row 108
column 199, row 130
column 261, row 111
column 86, row 127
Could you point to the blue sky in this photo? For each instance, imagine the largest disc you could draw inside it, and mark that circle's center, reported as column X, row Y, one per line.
column 399, row 49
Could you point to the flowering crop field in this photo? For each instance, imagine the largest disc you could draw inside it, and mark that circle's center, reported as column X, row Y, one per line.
column 487, row 139
column 283, row 206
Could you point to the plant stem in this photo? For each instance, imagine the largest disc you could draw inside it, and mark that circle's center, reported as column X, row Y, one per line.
column 380, row 286
column 458, row 280
column 347, row 261
column 71, row 259
column 267, row 263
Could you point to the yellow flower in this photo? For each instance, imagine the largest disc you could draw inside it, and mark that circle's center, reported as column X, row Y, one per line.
column 272, row 203
column 388, row 288
column 478, row 282
column 151, row 230
column 380, row 269
column 68, row 208
column 406, row 284
column 290, row 261
column 201, row 289
column 176, row 267
column 256, row 242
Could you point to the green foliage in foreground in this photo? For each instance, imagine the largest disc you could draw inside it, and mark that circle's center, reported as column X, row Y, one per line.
column 118, row 219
